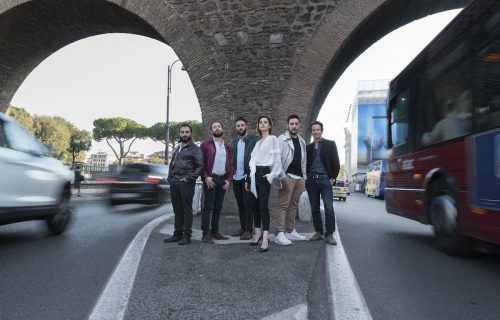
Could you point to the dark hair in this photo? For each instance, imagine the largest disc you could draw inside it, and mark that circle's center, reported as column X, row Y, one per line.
column 186, row 125
column 316, row 122
column 270, row 124
column 216, row 122
column 240, row 119
column 292, row 116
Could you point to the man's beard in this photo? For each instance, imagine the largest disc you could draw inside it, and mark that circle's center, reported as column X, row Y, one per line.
column 185, row 139
column 217, row 134
column 242, row 133
column 293, row 133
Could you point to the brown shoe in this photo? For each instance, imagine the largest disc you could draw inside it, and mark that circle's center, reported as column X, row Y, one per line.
column 238, row 233
column 317, row 236
column 207, row 239
column 246, row 236
column 218, row 236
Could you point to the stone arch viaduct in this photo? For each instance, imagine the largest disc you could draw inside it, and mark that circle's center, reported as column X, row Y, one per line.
column 244, row 57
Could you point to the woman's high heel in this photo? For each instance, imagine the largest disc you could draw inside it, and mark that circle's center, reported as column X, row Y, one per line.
column 266, row 248
column 256, row 243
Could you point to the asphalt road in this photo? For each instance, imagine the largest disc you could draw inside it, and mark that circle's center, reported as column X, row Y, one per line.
column 403, row 275
column 400, row 271
column 60, row 277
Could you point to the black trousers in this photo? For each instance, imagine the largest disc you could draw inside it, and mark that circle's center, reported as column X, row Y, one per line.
column 246, row 205
column 263, row 190
column 212, row 206
column 182, row 194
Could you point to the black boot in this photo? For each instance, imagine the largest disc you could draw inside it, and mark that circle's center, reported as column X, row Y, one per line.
column 174, row 238
column 184, row 240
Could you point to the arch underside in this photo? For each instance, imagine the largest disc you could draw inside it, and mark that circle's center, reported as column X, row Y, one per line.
column 385, row 17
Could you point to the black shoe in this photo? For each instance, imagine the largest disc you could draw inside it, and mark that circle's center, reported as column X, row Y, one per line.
column 256, row 243
column 218, row 236
column 207, row 239
column 261, row 249
column 238, row 233
column 184, row 240
column 172, row 239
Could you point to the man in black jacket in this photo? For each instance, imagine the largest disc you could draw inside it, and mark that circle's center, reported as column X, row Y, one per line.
column 185, row 167
column 241, row 148
column 322, row 169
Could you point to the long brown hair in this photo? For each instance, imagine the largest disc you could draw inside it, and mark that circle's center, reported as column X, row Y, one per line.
column 270, row 125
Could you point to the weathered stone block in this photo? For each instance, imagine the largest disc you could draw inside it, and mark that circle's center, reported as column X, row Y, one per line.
column 276, row 37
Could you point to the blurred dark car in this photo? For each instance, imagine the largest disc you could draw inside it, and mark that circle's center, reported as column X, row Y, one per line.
column 143, row 183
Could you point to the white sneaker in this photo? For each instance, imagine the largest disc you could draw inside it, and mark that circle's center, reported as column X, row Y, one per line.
column 294, row 235
column 281, row 239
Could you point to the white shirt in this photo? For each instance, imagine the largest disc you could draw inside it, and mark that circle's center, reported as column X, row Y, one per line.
column 220, row 158
column 265, row 153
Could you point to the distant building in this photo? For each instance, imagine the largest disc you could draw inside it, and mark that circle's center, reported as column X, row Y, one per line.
column 368, row 134
column 134, row 157
column 98, row 161
column 158, row 154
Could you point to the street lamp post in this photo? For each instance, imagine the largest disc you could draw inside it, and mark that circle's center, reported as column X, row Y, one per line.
column 167, row 127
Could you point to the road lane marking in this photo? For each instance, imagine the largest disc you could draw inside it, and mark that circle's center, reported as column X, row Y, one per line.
column 347, row 300
column 299, row 312
column 114, row 299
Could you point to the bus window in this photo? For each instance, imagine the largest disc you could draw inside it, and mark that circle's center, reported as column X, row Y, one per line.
column 487, row 108
column 399, row 118
column 446, row 107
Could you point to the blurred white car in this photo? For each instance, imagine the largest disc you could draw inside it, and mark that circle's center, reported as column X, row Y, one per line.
column 32, row 185
column 340, row 190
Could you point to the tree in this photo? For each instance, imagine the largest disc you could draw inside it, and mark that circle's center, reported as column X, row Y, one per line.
column 80, row 141
column 342, row 173
column 121, row 130
column 157, row 132
column 22, row 117
column 55, row 132
column 155, row 159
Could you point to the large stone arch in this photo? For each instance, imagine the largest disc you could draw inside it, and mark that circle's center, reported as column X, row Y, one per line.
column 343, row 35
column 33, row 30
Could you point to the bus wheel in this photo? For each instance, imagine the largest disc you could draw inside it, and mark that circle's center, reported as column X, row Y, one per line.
column 444, row 220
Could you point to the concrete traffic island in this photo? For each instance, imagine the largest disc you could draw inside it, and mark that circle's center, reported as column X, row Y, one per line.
column 230, row 279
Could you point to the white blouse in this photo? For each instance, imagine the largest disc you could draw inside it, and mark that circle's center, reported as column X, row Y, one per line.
column 265, row 153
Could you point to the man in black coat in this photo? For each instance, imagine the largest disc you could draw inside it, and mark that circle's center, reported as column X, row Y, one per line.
column 241, row 148
column 185, row 167
column 322, row 169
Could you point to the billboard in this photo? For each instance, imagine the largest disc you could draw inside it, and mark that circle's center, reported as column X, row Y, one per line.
column 372, row 133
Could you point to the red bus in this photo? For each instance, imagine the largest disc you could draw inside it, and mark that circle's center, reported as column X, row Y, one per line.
column 444, row 134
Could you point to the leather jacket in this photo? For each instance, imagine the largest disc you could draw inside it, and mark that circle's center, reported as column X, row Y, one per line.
column 250, row 141
column 187, row 163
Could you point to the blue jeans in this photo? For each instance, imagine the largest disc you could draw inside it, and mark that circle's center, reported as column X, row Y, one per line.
column 212, row 205
column 316, row 188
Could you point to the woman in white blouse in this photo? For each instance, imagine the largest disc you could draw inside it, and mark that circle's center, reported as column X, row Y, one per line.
column 265, row 166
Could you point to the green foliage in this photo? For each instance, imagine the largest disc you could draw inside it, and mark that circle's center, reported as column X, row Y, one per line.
column 80, row 141
column 22, row 117
column 157, row 131
column 155, row 159
column 55, row 132
column 121, row 130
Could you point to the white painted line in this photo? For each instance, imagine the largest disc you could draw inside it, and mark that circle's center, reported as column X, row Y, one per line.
column 298, row 312
column 348, row 301
column 114, row 299
column 168, row 229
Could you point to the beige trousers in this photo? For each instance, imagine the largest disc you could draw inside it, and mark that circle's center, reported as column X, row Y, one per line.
column 288, row 201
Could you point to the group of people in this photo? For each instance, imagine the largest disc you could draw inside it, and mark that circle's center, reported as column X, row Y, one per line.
column 252, row 164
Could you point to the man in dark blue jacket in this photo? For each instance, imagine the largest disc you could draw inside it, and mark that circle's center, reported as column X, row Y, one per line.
column 322, row 169
column 241, row 148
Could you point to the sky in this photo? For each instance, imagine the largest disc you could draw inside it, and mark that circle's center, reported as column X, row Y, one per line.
column 124, row 75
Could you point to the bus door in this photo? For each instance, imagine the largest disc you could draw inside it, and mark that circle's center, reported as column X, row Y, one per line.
column 485, row 187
